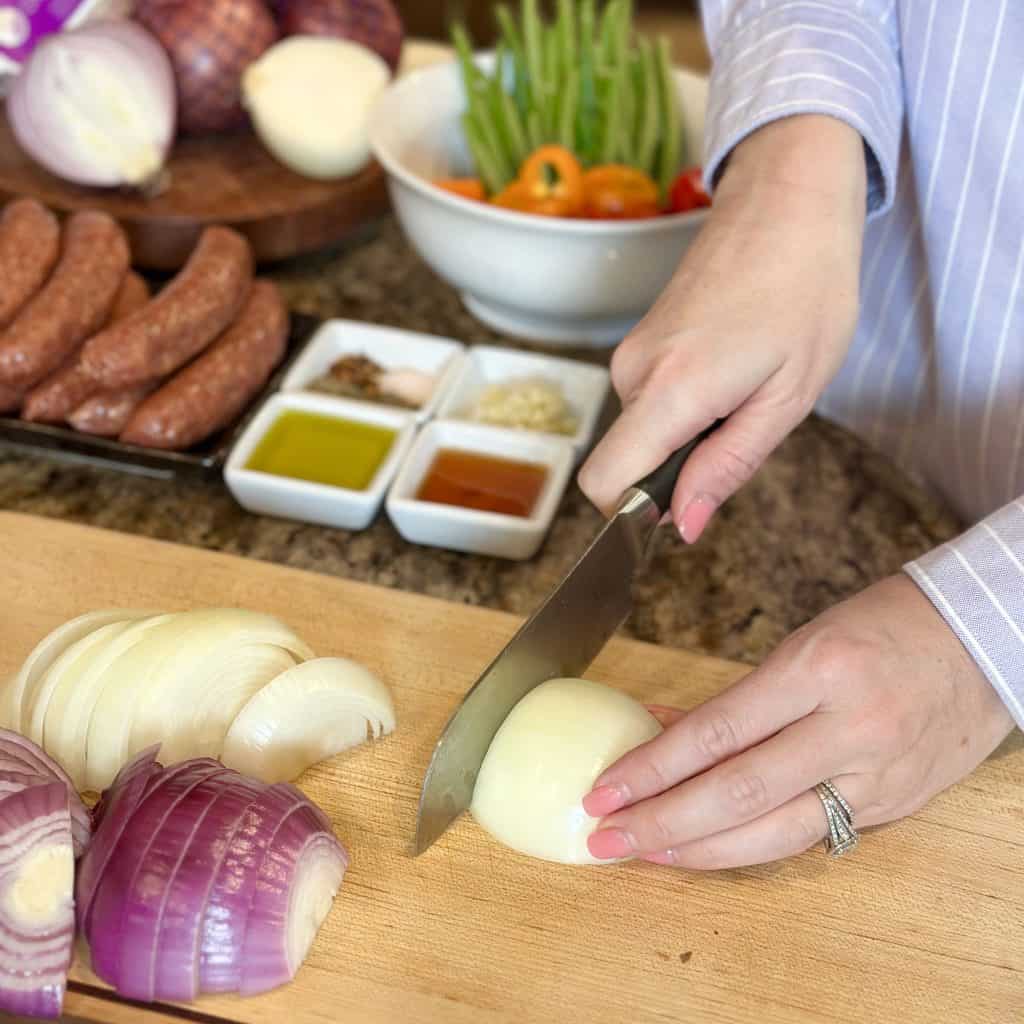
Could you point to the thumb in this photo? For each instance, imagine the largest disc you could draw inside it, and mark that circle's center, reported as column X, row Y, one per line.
column 728, row 459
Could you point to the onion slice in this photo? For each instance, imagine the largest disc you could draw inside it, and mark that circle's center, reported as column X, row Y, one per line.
column 28, row 765
column 37, row 919
column 306, row 715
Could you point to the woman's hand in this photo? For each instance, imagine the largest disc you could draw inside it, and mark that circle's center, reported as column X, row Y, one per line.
column 755, row 323
column 877, row 694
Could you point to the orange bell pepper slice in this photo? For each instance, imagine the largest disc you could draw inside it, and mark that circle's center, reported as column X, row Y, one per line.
column 550, row 184
column 468, row 188
column 618, row 192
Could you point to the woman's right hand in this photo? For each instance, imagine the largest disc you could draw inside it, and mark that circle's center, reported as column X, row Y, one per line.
column 753, row 326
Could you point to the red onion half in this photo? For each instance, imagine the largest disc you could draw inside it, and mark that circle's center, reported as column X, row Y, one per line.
column 37, row 917
column 375, row 24
column 96, row 105
column 202, row 880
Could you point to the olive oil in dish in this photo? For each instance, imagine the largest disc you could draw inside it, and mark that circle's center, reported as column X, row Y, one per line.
column 323, row 450
column 483, row 482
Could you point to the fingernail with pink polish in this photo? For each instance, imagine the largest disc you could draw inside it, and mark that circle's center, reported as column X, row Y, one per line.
column 609, row 844
column 604, row 800
column 696, row 516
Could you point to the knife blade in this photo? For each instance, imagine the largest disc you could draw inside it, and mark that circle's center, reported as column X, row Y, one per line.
column 559, row 640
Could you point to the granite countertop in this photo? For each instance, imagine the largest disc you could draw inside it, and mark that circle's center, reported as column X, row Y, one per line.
column 825, row 517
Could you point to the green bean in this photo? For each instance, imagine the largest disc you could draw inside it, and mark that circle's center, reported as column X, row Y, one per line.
column 565, row 27
column 533, row 41
column 569, row 111
column 535, row 130
column 609, row 27
column 587, row 138
column 486, row 166
column 511, row 35
column 520, row 145
column 473, row 81
column 636, row 72
column 552, row 82
column 489, row 134
column 502, row 110
column 651, row 115
column 612, row 123
column 624, row 152
column 671, row 143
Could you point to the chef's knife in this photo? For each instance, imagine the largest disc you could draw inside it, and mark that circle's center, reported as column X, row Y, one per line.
column 561, row 640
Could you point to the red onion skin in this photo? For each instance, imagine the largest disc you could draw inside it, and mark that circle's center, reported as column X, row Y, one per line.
column 375, row 24
column 265, row 955
column 210, row 43
column 110, row 906
column 41, row 817
column 15, row 747
column 226, row 914
column 110, row 817
column 177, row 955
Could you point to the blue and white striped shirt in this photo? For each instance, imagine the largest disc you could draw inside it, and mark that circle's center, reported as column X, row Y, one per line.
column 935, row 376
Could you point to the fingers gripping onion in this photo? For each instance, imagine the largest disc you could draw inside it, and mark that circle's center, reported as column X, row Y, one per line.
column 545, row 759
column 37, row 921
column 306, row 715
column 205, row 881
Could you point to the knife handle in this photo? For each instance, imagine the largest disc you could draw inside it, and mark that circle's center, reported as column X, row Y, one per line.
column 660, row 485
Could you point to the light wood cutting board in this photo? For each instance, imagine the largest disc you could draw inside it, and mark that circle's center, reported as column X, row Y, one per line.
column 924, row 923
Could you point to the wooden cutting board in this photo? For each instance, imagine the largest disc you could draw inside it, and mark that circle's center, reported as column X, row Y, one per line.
column 924, row 923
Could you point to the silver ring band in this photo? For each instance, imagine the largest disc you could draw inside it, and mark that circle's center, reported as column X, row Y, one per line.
column 842, row 837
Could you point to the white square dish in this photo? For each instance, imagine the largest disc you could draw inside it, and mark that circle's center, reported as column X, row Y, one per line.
column 290, row 498
column 470, row 530
column 389, row 347
column 585, row 386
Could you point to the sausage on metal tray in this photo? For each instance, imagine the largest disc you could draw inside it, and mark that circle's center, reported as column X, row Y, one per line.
column 53, row 400
column 73, row 304
column 212, row 391
column 108, row 413
column 181, row 321
column 29, row 247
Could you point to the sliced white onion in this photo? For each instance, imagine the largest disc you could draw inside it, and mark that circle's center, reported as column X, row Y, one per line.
column 545, row 759
column 96, row 105
column 152, row 689
column 306, row 715
column 69, row 711
column 37, row 697
column 44, row 655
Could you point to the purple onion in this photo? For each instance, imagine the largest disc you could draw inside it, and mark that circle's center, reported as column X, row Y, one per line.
column 35, row 951
column 112, row 910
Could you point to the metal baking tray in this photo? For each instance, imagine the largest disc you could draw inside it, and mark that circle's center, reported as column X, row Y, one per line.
column 205, row 461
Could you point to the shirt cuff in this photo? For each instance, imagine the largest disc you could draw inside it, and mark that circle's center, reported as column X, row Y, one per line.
column 976, row 583
column 809, row 58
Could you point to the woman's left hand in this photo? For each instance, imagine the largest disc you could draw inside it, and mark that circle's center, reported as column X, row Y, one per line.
column 877, row 694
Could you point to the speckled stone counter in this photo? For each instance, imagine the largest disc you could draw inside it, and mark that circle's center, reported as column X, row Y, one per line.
column 824, row 518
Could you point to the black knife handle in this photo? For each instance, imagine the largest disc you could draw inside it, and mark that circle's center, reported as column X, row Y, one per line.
column 660, row 485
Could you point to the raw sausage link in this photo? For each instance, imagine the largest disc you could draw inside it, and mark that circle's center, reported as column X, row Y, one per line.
column 62, row 392
column 209, row 394
column 107, row 414
column 74, row 303
column 10, row 400
column 181, row 321
column 29, row 247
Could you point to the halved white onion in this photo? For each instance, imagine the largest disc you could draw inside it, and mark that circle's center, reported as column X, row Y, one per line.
column 306, row 715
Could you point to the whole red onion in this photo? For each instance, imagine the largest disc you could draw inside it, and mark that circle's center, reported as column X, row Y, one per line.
column 211, row 42
column 375, row 24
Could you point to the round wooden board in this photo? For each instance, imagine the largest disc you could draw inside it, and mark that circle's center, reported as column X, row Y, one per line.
column 228, row 179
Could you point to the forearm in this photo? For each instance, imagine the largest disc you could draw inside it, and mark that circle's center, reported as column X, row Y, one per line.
column 976, row 583
column 775, row 59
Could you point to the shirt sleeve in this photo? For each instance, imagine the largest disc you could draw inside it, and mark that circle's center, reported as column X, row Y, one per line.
column 776, row 58
column 976, row 583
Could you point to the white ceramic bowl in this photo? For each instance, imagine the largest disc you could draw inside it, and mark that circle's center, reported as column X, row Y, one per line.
column 585, row 386
column 553, row 280
column 268, row 494
column 389, row 347
column 464, row 529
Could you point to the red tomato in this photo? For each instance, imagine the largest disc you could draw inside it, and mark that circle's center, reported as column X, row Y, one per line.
column 688, row 192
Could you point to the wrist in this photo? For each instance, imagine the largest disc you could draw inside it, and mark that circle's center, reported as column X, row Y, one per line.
column 807, row 160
